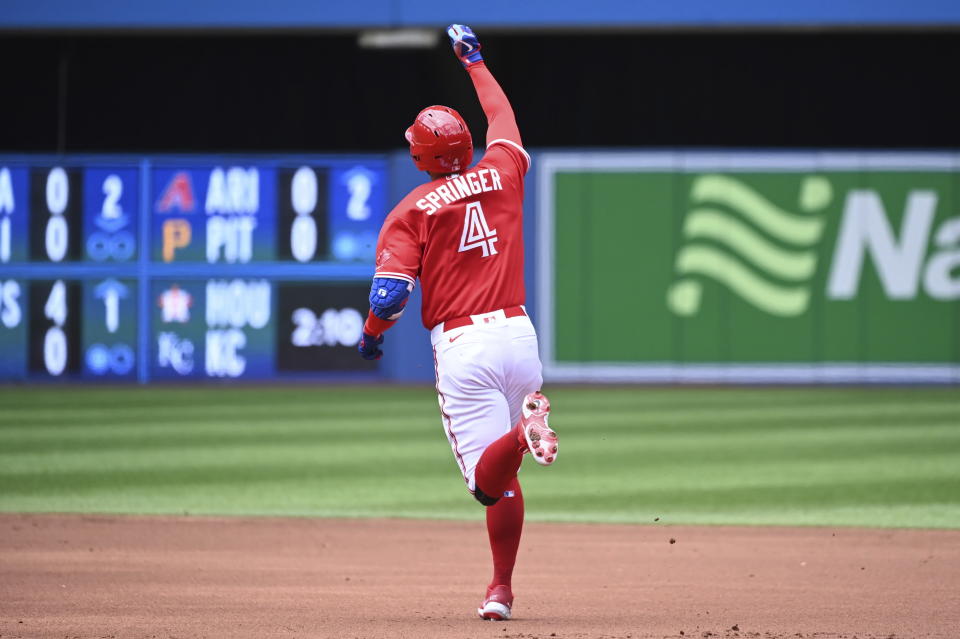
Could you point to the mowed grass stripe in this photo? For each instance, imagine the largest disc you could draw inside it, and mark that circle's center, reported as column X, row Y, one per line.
column 230, row 472
column 754, row 416
column 23, row 401
column 927, row 442
column 66, row 418
column 355, row 454
column 285, row 464
column 708, row 427
column 708, row 475
column 328, row 416
column 20, row 439
column 164, row 434
column 177, row 398
column 883, row 456
column 602, row 398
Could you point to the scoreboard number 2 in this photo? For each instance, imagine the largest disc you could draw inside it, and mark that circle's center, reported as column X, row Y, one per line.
column 112, row 192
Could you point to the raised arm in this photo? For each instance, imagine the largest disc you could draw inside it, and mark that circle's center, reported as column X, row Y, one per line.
column 501, row 122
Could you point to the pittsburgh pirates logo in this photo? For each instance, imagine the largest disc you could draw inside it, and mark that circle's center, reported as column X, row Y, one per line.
column 476, row 232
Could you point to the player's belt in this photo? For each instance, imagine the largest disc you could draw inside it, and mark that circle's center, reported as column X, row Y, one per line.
column 482, row 318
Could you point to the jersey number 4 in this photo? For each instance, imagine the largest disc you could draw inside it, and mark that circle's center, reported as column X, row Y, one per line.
column 476, row 232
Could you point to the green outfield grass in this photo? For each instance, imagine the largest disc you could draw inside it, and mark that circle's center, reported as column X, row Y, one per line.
column 865, row 457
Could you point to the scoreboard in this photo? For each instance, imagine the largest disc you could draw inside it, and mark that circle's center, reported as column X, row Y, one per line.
column 138, row 269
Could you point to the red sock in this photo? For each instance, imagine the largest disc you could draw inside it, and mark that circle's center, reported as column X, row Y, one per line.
column 504, row 525
column 499, row 464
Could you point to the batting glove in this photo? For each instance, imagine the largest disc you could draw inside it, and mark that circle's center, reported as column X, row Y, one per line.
column 465, row 44
column 369, row 347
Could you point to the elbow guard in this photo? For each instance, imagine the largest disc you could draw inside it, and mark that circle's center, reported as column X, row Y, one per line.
column 388, row 297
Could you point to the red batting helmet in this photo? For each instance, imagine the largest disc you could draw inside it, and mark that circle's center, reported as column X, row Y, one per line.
column 440, row 141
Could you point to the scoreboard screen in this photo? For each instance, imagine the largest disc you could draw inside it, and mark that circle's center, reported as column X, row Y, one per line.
column 146, row 269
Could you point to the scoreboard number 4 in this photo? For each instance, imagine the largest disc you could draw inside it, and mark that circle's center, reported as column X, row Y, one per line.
column 55, row 340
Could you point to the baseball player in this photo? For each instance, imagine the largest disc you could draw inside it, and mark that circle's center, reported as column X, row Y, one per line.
column 461, row 235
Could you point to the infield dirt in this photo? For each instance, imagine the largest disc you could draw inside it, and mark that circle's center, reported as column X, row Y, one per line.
column 184, row 577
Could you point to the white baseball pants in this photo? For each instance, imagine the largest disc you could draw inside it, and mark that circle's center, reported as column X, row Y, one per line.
column 483, row 372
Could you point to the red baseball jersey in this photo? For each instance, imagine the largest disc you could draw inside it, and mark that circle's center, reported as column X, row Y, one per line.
column 462, row 236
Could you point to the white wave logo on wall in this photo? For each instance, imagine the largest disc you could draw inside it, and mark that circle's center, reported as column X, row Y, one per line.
column 761, row 252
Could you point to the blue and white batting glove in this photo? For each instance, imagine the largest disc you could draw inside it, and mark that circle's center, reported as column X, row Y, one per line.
column 369, row 347
column 465, row 44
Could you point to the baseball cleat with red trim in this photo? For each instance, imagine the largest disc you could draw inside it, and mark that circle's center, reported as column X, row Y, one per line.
column 538, row 437
column 497, row 605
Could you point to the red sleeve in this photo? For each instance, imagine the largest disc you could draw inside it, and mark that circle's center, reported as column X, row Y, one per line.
column 376, row 326
column 399, row 250
column 501, row 122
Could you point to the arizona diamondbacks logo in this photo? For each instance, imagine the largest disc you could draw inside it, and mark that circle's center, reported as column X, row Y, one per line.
column 763, row 253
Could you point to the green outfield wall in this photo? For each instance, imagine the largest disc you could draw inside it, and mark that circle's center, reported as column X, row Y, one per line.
column 749, row 267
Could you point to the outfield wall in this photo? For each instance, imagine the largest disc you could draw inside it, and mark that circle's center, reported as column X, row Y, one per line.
column 663, row 267
column 749, row 267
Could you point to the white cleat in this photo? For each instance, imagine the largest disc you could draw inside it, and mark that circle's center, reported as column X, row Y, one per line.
column 539, row 438
column 496, row 606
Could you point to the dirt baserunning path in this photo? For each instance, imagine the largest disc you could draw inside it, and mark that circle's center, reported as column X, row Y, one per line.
column 166, row 577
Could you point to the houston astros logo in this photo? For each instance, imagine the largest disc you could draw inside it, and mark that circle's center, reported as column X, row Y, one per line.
column 762, row 253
